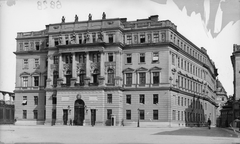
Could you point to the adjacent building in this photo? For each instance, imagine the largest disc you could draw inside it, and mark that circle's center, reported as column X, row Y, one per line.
column 113, row 71
column 235, row 58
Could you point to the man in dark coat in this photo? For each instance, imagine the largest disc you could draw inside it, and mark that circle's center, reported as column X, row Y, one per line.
column 209, row 123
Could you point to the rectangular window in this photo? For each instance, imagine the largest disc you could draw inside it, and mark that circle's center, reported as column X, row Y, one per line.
column 110, row 57
column 141, row 114
column 36, row 63
column 178, row 115
column 35, row 114
column 142, row 57
column 25, row 81
column 174, row 115
column 109, row 113
column 24, row 114
column 54, row 100
column 155, row 57
column 128, row 78
column 24, row 102
column 66, row 40
column 182, row 101
column 155, row 98
column 173, row 59
column 128, row 99
column 35, row 100
column 56, row 43
column 178, row 100
column 37, row 45
column 129, row 58
column 110, row 38
column 142, row 39
column 26, row 46
column 128, row 114
column 141, row 98
column 80, row 38
column 129, row 39
column 55, row 59
column 93, row 37
column 142, row 78
column 109, row 98
column 182, row 115
column 185, row 101
column 155, row 38
column 36, row 80
column 155, row 114
column 25, row 63
column 21, row 46
column 155, row 77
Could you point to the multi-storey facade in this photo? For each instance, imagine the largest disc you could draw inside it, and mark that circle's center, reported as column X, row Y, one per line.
column 113, row 69
column 235, row 58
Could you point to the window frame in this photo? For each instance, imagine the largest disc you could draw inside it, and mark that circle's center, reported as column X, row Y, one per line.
column 109, row 98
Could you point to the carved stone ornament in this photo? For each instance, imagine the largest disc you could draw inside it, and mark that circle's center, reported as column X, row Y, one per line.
column 78, row 96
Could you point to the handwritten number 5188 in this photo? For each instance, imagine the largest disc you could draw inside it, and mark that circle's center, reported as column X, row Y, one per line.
column 41, row 5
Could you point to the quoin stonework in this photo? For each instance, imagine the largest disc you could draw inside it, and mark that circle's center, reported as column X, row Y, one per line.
column 113, row 71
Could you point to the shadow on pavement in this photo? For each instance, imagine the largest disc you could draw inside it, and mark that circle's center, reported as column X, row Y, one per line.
column 213, row 132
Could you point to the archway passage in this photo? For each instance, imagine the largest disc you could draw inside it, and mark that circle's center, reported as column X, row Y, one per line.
column 79, row 109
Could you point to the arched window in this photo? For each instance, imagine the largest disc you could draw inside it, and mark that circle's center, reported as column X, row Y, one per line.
column 55, row 77
column 82, row 76
column 110, row 76
column 95, row 76
column 68, row 77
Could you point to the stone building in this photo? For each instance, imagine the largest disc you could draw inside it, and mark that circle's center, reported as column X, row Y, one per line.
column 113, row 70
column 235, row 58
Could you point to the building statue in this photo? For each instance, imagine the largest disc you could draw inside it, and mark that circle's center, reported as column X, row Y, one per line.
column 76, row 18
column 103, row 15
column 89, row 17
column 63, row 19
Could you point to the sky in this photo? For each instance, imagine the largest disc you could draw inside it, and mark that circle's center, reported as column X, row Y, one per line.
column 214, row 25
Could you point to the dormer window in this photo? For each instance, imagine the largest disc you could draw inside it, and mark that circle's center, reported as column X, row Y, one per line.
column 37, row 45
column 142, row 39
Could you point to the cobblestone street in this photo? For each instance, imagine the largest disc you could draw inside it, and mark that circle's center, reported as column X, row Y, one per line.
column 116, row 135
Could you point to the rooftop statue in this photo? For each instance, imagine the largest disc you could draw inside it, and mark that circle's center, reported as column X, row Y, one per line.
column 89, row 17
column 103, row 15
column 76, row 18
column 63, row 19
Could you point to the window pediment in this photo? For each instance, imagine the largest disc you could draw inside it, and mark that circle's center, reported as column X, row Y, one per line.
column 24, row 73
column 141, row 69
column 128, row 70
column 155, row 68
column 35, row 73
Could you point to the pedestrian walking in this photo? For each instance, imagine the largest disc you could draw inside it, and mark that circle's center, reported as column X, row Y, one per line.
column 209, row 123
column 122, row 122
column 70, row 122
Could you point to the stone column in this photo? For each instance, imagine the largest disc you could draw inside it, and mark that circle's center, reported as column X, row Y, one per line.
column 74, row 75
column 60, row 66
column 102, row 70
column 87, row 65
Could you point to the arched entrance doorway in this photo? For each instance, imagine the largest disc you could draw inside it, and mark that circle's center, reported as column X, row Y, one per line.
column 79, row 109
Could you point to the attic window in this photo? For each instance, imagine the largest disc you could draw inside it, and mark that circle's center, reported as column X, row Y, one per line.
column 142, row 39
column 37, row 45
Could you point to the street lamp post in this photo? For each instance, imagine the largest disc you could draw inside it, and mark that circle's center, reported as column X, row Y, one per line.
column 138, row 117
